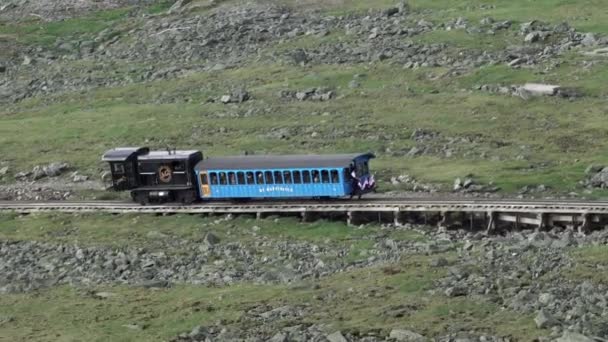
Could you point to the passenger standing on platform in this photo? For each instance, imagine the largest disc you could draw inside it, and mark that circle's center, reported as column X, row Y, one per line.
column 353, row 176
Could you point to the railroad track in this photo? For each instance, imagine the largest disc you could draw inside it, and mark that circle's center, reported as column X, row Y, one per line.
column 582, row 215
column 372, row 204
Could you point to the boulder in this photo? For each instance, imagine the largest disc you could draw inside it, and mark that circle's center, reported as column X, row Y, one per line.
column 336, row 337
column 199, row 333
column 589, row 39
column 211, row 239
column 544, row 320
column 569, row 336
column 455, row 291
column 239, row 95
column 403, row 335
column 600, row 179
column 279, row 337
column 391, row 11
column 458, row 184
column 225, row 99
column 536, row 89
column 532, row 37
column 54, row 169
column 593, row 169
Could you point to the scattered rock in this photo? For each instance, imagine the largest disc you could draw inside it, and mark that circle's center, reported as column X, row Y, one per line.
column 178, row 6
column 313, row 94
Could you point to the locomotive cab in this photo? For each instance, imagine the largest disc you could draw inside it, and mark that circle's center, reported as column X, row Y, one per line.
column 123, row 166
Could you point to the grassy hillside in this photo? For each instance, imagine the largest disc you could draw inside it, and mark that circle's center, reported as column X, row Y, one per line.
column 505, row 139
column 432, row 87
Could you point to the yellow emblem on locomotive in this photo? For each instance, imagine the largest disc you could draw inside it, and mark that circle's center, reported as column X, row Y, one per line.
column 165, row 173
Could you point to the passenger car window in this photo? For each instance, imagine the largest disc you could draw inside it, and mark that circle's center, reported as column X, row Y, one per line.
column 231, row 178
column 223, row 180
column 240, row 177
column 315, row 176
column 213, row 178
column 334, row 176
column 297, row 178
column 250, row 179
column 278, row 177
column 287, row 177
column 306, row 176
column 325, row 176
column 204, row 179
column 268, row 177
column 260, row 177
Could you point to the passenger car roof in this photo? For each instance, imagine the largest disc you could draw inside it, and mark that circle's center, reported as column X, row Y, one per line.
column 280, row 161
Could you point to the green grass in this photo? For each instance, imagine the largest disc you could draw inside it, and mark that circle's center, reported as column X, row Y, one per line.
column 160, row 6
column 47, row 33
column 460, row 39
column 161, row 231
column 583, row 14
column 71, row 314
column 374, row 117
column 592, row 263
column 357, row 301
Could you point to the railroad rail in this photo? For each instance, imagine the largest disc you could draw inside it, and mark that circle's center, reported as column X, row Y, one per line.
column 489, row 214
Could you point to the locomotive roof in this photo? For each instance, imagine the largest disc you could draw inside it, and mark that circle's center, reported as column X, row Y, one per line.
column 280, row 161
column 168, row 155
column 123, row 153
column 144, row 153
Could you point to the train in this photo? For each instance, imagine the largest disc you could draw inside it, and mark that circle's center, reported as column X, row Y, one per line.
column 185, row 176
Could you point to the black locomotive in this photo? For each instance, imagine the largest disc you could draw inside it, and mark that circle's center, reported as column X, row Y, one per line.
column 154, row 175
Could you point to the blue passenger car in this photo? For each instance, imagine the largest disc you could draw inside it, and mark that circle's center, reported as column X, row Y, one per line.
column 287, row 176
